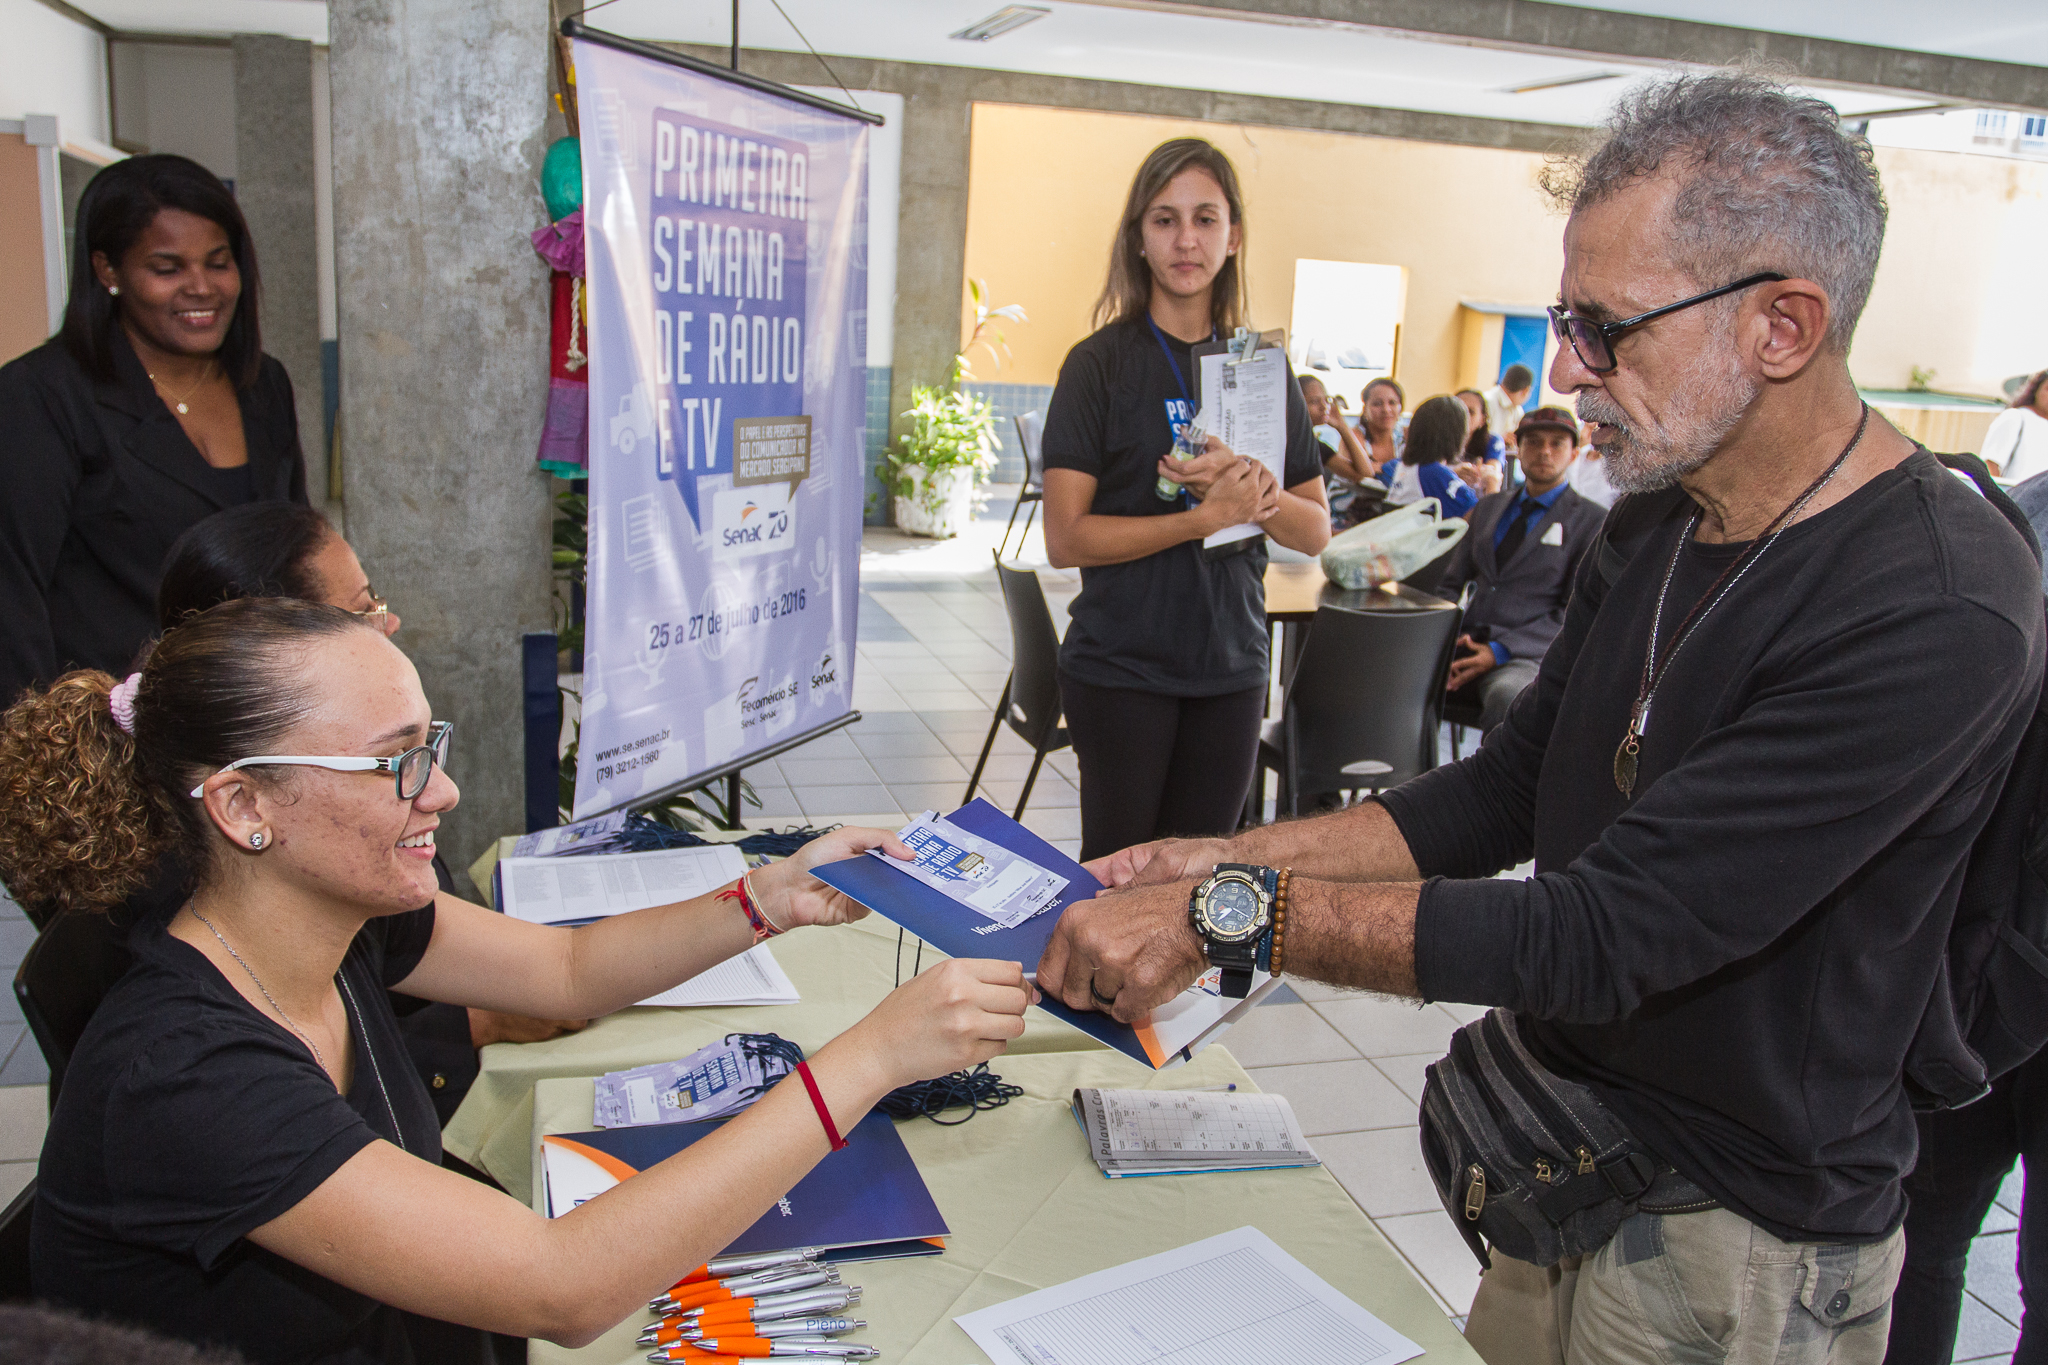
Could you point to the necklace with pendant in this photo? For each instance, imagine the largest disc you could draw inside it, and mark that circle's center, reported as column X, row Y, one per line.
column 179, row 402
column 1629, row 754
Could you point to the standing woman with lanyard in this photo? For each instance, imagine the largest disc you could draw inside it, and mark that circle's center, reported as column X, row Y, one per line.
column 1164, row 668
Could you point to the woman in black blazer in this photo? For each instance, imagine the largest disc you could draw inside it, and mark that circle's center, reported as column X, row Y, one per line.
column 153, row 408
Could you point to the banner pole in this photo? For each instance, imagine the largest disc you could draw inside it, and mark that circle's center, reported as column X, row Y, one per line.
column 735, row 35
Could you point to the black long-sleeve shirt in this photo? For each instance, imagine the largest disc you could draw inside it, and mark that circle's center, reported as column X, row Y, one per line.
column 1737, row 959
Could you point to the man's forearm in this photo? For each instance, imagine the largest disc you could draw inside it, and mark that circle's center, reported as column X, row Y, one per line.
column 1361, row 844
column 1361, row 936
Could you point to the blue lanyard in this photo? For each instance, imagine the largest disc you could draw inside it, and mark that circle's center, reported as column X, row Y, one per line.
column 1167, row 351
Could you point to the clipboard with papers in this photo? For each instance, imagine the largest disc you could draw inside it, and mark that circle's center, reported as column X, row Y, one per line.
column 1165, row 1038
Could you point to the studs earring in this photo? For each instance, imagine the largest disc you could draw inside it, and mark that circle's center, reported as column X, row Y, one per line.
column 256, row 839
column 115, row 290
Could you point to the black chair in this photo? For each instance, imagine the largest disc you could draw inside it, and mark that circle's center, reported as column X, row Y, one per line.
column 63, row 977
column 1030, row 703
column 1362, row 708
column 14, row 1226
column 1030, row 426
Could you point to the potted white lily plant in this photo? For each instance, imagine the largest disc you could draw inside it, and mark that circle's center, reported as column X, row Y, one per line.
column 951, row 445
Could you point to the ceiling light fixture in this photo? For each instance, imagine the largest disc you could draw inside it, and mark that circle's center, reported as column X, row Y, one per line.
column 1559, row 82
column 1002, row 21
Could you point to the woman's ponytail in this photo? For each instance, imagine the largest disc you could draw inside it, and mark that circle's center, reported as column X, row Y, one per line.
column 80, row 828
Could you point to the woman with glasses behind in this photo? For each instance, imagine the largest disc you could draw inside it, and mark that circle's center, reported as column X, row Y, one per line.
column 275, row 549
column 239, row 1154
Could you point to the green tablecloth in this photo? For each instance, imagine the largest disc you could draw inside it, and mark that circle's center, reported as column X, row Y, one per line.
column 1029, row 1209
column 841, row 972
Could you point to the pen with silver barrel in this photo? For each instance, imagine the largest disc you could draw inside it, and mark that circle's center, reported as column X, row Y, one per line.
column 831, row 1350
column 807, row 1304
column 779, row 1329
column 780, row 1281
column 719, row 1267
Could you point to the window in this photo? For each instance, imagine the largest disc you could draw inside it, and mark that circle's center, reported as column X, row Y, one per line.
column 1991, row 125
column 2034, row 132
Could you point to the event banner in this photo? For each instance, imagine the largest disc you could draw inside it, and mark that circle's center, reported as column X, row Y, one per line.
column 724, row 230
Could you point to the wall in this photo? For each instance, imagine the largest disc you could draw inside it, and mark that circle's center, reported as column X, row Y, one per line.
column 50, row 65
column 1046, row 186
column 24, row 309
column 1964, row 276
column 1959, row 288
column 177, row 97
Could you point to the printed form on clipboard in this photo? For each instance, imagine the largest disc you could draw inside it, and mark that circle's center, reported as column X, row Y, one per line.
column 950, row 922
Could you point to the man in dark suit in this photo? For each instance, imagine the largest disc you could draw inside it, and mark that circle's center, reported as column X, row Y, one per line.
column 1521, row 557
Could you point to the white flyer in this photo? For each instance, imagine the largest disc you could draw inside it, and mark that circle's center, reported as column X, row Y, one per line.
column 1245, row 406
column 710, row 1083
column 985, row 877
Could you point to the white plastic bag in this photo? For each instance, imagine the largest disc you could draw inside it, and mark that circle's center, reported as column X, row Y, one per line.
column 1391, row 547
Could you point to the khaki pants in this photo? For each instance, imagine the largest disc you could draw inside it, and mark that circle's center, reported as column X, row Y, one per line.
column 1688, row 1289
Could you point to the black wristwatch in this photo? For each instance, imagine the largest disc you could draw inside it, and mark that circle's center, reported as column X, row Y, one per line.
column 1232, row 911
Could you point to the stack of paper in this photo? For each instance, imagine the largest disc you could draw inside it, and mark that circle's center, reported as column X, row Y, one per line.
column 570, row 891
column 1183, row 1132
column 1236, row 1297
column 599, row 834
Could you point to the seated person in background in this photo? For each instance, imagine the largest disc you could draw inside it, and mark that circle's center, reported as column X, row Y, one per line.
column 239, row 1154
column 2016, row 446
column 1436, row 434
column 1345, row 463
column 1521, row 557
column 1504, row 401
column 1381, row 428
column 274, row 549
column 1589, row 476
column 1481, row 445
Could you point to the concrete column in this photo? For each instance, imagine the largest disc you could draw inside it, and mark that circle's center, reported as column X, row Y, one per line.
column 274, row 185
column 439, row 111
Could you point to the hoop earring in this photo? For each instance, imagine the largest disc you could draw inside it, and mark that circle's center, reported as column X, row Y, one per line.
column 256, row 839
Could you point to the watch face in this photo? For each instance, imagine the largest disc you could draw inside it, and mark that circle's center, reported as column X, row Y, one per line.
column 1232, row 908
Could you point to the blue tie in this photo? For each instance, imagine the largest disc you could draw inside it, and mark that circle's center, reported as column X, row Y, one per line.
column 1527, row 509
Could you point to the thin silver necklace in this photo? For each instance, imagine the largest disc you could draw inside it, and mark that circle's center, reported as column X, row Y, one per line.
column 288, row 1022
column 355, row 1010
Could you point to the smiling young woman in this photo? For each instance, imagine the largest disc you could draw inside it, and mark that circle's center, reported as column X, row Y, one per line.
column 1163, row 668
column 239, row 1154
column 151, row 409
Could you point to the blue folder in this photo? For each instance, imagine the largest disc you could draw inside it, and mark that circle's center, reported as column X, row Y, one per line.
column 864, row 1202
column 957, row 931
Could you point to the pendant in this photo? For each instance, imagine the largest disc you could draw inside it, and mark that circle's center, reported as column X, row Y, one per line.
column 183, row 409
column 1625, row 762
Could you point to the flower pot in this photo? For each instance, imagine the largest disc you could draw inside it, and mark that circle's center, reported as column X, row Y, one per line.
column 940, row 502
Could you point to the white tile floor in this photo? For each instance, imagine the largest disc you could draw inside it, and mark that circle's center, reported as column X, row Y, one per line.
column 932, row 657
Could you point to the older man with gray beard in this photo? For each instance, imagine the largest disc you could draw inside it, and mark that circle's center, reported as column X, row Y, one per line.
column 1748, row 823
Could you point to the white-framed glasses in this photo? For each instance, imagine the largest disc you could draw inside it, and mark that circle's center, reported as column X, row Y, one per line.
column 413, row 768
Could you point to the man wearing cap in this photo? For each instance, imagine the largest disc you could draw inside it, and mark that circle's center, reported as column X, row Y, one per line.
column 1521, row 557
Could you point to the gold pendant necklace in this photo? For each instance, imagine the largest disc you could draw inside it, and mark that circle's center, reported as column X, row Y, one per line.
column 1628, row 754
column 179, row 402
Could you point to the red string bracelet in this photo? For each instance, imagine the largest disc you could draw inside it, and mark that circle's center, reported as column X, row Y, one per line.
column 739, row 891
column 803, row 1069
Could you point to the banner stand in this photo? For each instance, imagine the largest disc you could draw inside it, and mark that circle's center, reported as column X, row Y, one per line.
column 731, row 773
column 576, row 28
column 725, row 226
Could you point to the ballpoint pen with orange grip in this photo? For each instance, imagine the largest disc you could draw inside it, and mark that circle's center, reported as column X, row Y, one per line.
column 722, row 1267
column 817, row 1328
column 834, row 1350
column 768, row 1282
column 779, row 1308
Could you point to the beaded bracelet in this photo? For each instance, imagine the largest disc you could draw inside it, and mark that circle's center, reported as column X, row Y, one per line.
column 1280, row 918
column 803, row 1069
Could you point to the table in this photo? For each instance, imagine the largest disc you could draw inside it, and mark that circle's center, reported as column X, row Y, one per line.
column 1029, row 1209
column 1295, row 592
column 842, row 972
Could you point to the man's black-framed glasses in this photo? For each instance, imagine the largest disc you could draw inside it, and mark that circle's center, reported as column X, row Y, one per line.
column 413, row 768
column 1593, row 341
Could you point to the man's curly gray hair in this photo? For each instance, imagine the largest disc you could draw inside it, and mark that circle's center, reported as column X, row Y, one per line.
column 1768, row 181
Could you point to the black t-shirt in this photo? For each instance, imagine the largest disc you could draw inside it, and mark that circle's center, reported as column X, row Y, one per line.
column 1174, row 623
column 187, row 1119
column 1738, row 958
